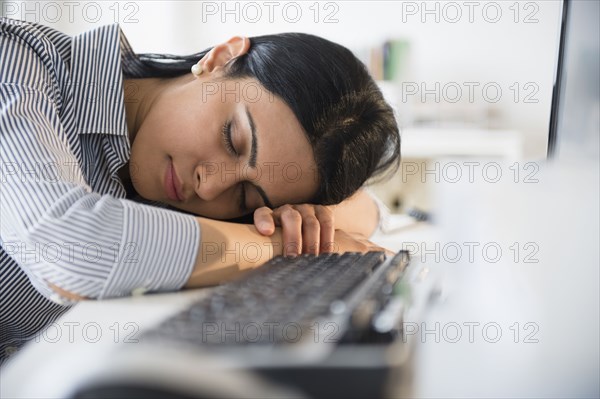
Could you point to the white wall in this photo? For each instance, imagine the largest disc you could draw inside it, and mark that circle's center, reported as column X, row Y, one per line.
column 477, row 51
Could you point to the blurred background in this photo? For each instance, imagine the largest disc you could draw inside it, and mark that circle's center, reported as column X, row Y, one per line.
column 467, row 79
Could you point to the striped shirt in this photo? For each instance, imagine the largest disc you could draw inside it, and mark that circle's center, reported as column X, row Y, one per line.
column 66, row 218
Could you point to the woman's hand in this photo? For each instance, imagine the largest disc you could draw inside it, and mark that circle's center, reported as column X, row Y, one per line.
column 355, row 242
column 306, row 228
column 309, row 229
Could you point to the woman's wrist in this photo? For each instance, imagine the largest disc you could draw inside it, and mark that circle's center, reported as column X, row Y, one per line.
column 228, row 250
column 358, row 214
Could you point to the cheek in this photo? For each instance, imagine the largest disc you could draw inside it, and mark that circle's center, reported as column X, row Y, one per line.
column 191, row 127
column 170, row 132
column 144, row 167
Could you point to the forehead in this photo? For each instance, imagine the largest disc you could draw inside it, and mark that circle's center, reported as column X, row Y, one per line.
column 285, row 168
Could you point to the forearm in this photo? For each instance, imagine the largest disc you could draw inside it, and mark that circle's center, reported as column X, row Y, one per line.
column 227, row 250
column 357, row 214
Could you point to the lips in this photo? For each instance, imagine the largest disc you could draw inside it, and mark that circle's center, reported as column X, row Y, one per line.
column 172, row 186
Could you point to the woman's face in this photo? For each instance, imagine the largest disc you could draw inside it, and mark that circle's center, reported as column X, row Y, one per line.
column 230, row 146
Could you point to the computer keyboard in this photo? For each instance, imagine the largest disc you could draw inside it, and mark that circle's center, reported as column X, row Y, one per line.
column 329, row 297
column 319, row 326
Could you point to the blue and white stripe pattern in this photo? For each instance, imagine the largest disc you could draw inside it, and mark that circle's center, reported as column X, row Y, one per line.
column 65, row 215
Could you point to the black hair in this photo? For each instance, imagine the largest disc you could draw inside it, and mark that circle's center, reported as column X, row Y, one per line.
column 351, row 128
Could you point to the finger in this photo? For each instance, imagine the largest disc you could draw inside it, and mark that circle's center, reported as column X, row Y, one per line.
column 264, row 221
column 327, row 225
column 291, row 224
column 371, row 246
column 376, row 248
column 311, row 229
column 363, row 245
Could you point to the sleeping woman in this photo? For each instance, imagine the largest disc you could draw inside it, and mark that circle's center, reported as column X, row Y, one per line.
column 128, row 173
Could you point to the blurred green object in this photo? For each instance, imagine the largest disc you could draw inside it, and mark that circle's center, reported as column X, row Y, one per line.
column 395, row 59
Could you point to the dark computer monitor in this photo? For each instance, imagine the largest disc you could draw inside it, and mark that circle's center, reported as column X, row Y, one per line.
column 574, row 118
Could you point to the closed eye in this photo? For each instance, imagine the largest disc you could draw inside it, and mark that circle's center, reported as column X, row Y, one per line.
column 226, row 133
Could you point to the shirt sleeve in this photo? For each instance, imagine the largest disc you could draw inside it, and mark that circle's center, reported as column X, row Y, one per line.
column 60, row 231
column 383, row 213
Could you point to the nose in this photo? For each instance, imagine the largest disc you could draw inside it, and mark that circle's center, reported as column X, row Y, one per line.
column 212, row 179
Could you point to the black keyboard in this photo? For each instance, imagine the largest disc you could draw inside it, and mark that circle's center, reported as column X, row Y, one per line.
column 330, row 297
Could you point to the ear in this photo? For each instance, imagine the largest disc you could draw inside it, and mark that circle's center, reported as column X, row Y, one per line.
column 219, row 55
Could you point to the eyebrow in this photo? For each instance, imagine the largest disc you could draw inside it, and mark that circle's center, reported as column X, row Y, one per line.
column 253, row 149
column 253, row 156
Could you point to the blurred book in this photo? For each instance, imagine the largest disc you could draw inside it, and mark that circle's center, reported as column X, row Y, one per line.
column 395, row 59
column 387, row 61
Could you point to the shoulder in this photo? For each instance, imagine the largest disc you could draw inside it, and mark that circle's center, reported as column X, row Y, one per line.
column 30, row 47
column 38, row 38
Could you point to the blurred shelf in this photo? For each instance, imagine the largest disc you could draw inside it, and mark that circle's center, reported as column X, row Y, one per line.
column 430, row 143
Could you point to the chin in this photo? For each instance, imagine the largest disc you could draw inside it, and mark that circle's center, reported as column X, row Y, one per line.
column 142, row 190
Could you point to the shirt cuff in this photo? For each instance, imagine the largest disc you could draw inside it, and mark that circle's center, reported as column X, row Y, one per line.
column 157, row 253
column 383, row 213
